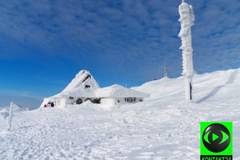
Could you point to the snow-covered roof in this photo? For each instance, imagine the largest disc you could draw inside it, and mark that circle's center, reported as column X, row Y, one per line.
column 114, row 91
column 83, row 81
column 117, row 91
column 84, row 85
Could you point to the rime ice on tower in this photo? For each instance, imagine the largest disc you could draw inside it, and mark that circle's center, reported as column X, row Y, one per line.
column 186, row 20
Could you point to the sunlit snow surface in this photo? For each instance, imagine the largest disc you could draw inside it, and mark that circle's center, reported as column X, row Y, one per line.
column 165, row 126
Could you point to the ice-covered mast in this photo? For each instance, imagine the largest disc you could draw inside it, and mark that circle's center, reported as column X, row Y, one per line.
column 186, row 20
column 165, row 72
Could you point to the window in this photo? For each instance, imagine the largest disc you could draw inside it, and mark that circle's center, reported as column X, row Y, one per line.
column 130, row 99
column 87, row 86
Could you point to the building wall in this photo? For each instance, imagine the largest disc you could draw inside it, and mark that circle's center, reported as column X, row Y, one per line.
column 118, row 101
column 63, row 101
column 108, row 101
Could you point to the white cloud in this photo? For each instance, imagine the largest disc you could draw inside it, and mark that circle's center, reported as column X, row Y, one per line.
column 129, row 31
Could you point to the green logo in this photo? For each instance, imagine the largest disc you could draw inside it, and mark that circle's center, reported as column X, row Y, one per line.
column 216, row 140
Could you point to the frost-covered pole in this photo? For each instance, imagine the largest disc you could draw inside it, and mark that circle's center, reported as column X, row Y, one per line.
column 10, row 116
column 165, row 71
column 186, row 20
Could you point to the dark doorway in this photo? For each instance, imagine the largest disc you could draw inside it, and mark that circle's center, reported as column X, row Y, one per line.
column 79, row 101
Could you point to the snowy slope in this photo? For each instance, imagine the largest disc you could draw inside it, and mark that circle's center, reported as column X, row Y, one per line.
column 163, row 127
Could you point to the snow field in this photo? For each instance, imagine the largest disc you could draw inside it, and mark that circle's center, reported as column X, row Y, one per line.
column 165, row 126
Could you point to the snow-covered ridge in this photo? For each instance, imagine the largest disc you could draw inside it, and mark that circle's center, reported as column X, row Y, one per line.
column 4, row 111
column 164, row 86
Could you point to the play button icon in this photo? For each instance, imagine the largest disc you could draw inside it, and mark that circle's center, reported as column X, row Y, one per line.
column 216, row 137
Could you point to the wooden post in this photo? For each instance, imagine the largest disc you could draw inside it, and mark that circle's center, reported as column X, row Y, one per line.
column 190, row 85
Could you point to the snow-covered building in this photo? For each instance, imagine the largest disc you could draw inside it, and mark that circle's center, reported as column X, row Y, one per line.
column 117, row 94
column 84, row 87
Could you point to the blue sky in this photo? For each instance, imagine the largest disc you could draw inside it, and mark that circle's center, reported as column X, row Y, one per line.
column 44, row 43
